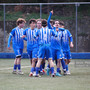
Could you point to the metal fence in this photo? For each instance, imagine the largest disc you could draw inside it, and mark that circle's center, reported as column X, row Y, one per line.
column 75, row 15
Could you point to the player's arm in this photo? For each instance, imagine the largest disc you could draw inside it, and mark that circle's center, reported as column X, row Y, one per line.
column 9, row 40
column 71, row 39
column 25, row 38
column 53, row 33
column 48, row 21
column 24, row 34
column 10, row 37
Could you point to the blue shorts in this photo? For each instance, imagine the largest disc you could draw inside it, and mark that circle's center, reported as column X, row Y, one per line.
column 67, row 55
column 57, row 54
column 18, row 52
column 33, row 53
column 45, row 52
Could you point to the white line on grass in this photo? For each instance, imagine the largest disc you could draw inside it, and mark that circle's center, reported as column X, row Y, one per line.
column 8, row 68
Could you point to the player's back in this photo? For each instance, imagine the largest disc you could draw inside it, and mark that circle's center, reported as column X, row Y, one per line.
column 31, row 42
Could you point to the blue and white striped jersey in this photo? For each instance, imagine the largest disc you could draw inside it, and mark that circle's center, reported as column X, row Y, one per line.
column 16, row 34
column 44, row 35
column 56, row 41
column 66, row 36
column 31, row 42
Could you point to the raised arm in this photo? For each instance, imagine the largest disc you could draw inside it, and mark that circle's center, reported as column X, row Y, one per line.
column 48, row 21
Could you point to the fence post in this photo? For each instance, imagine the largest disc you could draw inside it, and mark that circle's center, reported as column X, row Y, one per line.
column 76, row 26
column 4, row 26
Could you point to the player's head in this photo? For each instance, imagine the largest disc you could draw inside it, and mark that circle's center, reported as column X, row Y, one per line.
column 20, row 22
column 61, row 24
column 56, row 23
column 39, row 23
column 32, row 23
column 44, row 22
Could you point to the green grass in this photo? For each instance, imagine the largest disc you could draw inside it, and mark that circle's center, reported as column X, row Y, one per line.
column 13, row 16
column 78, row 80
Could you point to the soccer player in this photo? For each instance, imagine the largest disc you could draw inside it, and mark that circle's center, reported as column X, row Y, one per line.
column 32, row 46
column 65, row 44
column 44, row 47
column 17, row 44
column 56, row 48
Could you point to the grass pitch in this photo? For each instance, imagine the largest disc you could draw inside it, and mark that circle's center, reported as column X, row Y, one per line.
column 78, row 80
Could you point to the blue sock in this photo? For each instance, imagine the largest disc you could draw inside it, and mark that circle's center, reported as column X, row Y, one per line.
column 32, row 69
column 48, row 66
column 63, row 64
column 43, row 65
column 58, row 70
column 40, row 67
column 37, row 70
column 15, row 67
column 52, row 70
column 67, row 67
column 19, row 67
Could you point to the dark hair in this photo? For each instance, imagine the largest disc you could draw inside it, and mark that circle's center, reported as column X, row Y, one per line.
column 20, row 20
column 32, row 20
column 44, row 22
column 62, row 23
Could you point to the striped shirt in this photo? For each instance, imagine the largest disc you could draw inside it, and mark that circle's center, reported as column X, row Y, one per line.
column 16, row 34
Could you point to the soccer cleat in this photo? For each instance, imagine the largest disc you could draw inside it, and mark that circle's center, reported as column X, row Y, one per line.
column 53, row 75
column 20, row 73
column 44, row 71
column 48, row 70
column 31, row 74
column 64, row 73
column 68, row 72
column 14, row 72
column 41, row 72
column 57, row 74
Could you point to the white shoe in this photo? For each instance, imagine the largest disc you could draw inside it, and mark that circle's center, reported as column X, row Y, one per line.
column 20, row 72
column 36, row 75
column 68, row 72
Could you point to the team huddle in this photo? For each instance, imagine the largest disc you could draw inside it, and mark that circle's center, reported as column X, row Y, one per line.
column 46, row 40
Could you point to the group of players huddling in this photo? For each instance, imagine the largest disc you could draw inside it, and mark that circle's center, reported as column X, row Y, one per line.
column 46, row 40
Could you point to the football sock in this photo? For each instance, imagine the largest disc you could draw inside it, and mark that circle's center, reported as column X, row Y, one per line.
column 15, row 67
column 37, row 70
column 40, row 67
column 63, row 64
column 67, row 67
column 52, row 70
column 58, row 70
column 32, row 69
column 19, row 67
column 43, row 65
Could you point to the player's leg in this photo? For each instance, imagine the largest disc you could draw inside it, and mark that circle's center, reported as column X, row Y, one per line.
column 59, row 57
column 40, row 57
column 49, row 57
column 53, row 58
column 20, row 51
column 15, row 66
column 68, row 61
column 34, row 59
